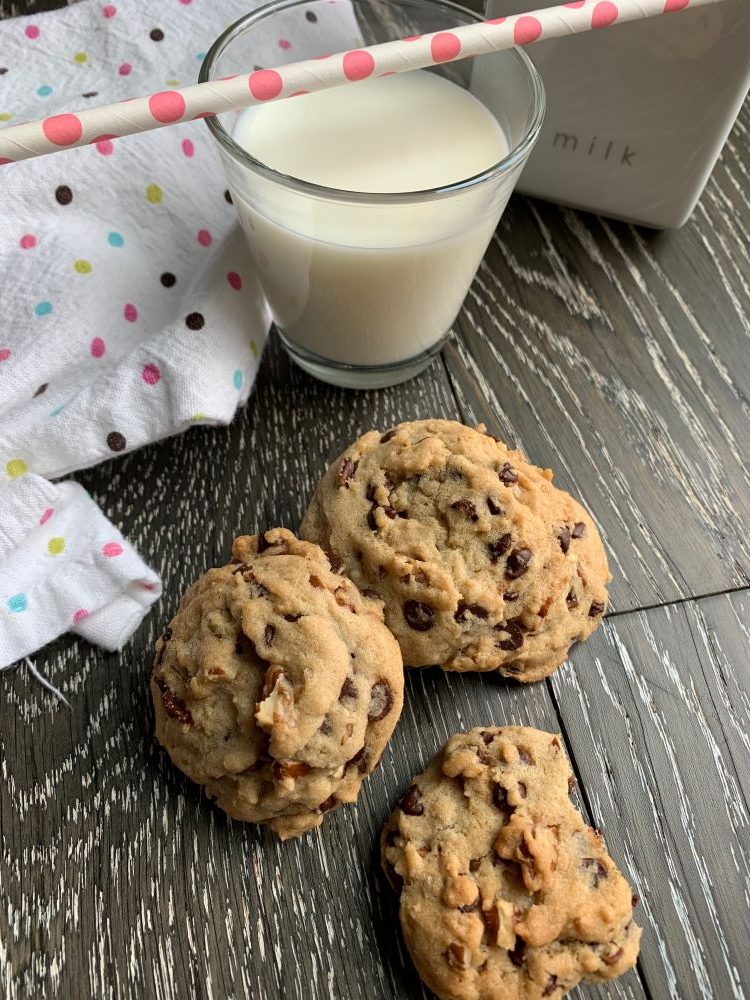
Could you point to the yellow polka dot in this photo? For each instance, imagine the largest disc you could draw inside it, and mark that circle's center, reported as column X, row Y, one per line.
column 80, row 58
column 198, row 416
column 82, row 266
column 254, row 348
column 5, row 117
column 55, row 546
column 173, row 83
column 16, row 467
column 154, row 194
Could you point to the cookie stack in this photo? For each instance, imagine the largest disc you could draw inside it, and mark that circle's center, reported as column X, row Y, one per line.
column 280, row 680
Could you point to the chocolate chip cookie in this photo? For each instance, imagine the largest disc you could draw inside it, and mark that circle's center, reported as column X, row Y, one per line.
column 505, row 891
column 276, row 684
column 482, row 563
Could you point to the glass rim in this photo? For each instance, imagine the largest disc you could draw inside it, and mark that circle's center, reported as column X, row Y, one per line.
column 517, row 154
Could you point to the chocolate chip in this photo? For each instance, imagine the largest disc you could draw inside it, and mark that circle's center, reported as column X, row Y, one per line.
column 116, row 441
column 174, row 706
column 329, row 803
column 336, row 562
column 613, row 958
column 404, row 514
column 42, row 389
column 571, row 784
column 508, row 475
column 165, row 639
column 292, row 618
column 579, row 530
column 564, row 538
column 498, row 548
column 156, row 35
column 195, row 321
column 168, row 279
column 228, row 197
column 554, row 744
column 263, row 542
column 510, row 596
column 524, row 756
column 516, row 954
column 470, row 907
column 494, row 507
column 487, row 738
column 390, row 512
column 268, row 633
column 634, row 901
column 372, row 524
column 515, row 635
column 466, row 507
column 325, row 728
column 387, row 436
column 475, row 864
column 370, row 492
column 597, row 608
column 463, row 610
column 373, row 595
column 345, row 473
column 551, row 986
column 522, row 789
column 381, row 701
column 311, row 17
column 360, row 759
column 316, row 582
column 411, row 803
column 500, row 796
column 517, row 563
column 419, row 616
column 596, row 868
column 63, row 195
column 571, row 600
column 348, row 689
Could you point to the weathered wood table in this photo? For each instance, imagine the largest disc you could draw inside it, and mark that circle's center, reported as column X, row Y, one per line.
column 620, row 358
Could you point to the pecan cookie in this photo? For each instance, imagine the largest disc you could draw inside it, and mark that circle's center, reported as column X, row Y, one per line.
column 482, row 563
column 276, row 684
column 505, row 892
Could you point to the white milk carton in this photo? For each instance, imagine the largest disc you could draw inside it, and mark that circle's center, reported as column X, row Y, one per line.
column 638, row 113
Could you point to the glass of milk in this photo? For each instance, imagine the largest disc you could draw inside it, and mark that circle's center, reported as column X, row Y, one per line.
column 368, row 208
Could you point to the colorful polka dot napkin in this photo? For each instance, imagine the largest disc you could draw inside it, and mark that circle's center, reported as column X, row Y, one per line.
column 129, row 309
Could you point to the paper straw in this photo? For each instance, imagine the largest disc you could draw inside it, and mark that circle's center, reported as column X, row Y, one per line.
column 139, row 114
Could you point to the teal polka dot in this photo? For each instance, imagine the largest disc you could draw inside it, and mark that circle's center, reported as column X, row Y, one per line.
column 237, row 379
column 59, row 409
column 115, row 239
column 43, row 308
column 18, row 602
column 44, row 90
column 200, row 55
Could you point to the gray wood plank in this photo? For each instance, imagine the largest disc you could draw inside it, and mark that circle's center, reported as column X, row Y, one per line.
column 621, row 358
column 657, row 710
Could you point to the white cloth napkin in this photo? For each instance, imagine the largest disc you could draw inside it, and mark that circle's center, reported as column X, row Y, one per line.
column 129, row 311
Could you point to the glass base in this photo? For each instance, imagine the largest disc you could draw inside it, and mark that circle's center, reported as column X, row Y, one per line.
column 360, row 376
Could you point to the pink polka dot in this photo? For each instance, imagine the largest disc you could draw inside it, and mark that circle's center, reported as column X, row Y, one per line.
column 527, row 29
column 576, row 3
column 204, row 238
column 63, row 130
column 299, row 93
column 4, row 160
column 672, row 5
column 150, row 374
column 112, row 549
column 234, row 280
column 109, row 10
column 358, row 65
column 148, row 586
column 497, row 20
column 97, row 347
column 105, row 147
column 186, row 3
column 187, row 147
column 203, row 114
column 445, row 46
column 130, row 312
column 4, row 353
column 28, row 241
column 265, row 84
column 32, row 31
column 412, row 38
column 168, row 106
column 46, row 515
column 605, row 13
column 284, row 43
column 80, row 615
column 125, row 69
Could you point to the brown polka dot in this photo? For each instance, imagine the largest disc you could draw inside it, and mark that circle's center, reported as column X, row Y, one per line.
column 3, row 70
column 90, row 93
column 167, row 279
column 195, row 321
column 312, row 18
column 63, row 195
column 156, row 35
column 228, row 196
column 116, row 441
column 42, row 388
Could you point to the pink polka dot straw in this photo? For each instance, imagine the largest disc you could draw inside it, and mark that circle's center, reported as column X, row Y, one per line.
column 101, row 124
